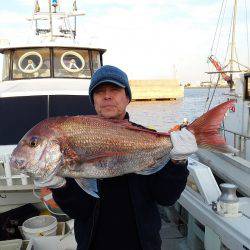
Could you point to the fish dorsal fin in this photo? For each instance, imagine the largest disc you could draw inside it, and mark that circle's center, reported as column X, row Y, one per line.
column 129, row 125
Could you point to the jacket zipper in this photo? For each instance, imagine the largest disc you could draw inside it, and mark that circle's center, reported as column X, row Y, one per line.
column 130, row 185
column 95, row 217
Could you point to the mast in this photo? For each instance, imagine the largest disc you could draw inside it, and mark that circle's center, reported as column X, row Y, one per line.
column 50, row 22
column 233, row 45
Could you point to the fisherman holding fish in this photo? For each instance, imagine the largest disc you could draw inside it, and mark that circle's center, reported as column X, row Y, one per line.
column 108, row 173
column 125, row 217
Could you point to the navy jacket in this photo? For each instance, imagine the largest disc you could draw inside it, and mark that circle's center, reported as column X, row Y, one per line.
column 163, row 188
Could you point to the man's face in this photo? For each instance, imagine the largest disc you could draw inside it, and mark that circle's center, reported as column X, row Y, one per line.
column 110, row 101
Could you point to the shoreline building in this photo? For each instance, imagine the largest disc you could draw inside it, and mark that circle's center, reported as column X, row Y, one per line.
column 156, row 89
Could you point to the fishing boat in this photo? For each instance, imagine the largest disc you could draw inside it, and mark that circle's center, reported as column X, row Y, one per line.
column 217, row 216
column 236, row 126
column 50, row 77
column 47, row 76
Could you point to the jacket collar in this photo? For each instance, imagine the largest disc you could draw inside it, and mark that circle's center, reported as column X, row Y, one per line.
column 126, row 116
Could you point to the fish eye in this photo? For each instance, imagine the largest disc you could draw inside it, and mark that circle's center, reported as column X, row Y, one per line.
column 33, row 142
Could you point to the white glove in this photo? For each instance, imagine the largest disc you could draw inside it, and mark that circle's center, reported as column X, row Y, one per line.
column 184, row 144
column 55, row 182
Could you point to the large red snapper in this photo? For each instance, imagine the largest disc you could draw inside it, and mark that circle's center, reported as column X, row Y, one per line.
column 93, row 147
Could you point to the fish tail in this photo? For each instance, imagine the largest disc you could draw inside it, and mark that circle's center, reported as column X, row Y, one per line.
column 206, row 129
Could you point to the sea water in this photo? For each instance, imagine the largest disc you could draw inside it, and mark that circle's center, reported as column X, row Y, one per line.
column 162, row 115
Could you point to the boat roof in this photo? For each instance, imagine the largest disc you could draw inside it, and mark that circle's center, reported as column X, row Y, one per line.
column 48, row 86
column 48, row 44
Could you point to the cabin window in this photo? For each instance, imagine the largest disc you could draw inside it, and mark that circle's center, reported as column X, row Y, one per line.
column 31, row 63
column 6, row 66
column 73, row 63
column 247, row 94
column 96, row 60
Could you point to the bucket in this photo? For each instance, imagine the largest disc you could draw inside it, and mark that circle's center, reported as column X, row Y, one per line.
column 43, row 225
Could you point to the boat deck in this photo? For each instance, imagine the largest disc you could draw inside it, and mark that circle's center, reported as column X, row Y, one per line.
column 171, row 237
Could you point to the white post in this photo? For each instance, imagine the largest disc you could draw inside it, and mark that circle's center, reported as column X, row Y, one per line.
column 212, row 240
column 7, row 171
column 24, row 179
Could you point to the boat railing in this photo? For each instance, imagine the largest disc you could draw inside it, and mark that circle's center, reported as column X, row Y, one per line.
column 239, row 141
column 7, row 178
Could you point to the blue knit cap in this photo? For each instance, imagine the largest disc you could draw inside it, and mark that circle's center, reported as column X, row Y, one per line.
column 109, row 74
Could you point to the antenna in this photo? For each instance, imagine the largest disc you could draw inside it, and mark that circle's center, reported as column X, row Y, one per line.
column 58, row 22
column 50, row 21
column 74, row 10
column 37, row 9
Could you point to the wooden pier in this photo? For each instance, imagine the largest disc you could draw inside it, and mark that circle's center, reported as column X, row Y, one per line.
column 156, row 89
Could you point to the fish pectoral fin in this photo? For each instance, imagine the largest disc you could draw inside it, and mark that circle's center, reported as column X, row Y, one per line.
column 101, row 156
column 89, row 186
column 150, row 170
column 70, row 157
column 133, row 127
column 153, row 168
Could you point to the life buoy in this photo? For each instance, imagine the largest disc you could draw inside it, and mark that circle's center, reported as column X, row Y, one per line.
column 47, row 198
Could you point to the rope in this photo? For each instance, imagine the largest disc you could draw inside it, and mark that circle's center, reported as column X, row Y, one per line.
column 237, row 60
column 222, row 20
column 216, row 27
column 208, row 95
column 228, row 41
column 219, row 23
column 52, row 212
column 215, row 87
column 248, row 56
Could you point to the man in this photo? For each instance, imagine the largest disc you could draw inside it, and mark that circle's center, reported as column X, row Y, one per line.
column 125, row 217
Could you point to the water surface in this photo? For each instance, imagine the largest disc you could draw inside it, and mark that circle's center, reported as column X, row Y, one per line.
column 162, row 115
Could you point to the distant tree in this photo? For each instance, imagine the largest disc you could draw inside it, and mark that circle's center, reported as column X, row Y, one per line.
column 187, row 84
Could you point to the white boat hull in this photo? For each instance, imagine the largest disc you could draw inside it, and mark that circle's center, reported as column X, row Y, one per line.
column 17, row 197
column 230, row 168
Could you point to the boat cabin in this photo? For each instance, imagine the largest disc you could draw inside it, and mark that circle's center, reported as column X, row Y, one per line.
column 247, row 86
column 40, row 82
column 50, row 62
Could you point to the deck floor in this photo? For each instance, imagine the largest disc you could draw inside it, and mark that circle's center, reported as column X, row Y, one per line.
column 171, row 237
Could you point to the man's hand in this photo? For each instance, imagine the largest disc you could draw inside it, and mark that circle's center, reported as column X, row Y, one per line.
column 55, row 182
column 184, row 144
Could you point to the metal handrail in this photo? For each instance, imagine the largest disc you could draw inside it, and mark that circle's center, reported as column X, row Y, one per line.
column 9, row 177
column 232, row 132
column 239, row 141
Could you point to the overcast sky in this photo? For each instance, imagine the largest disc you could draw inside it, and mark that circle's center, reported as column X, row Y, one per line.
column 146, row 38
